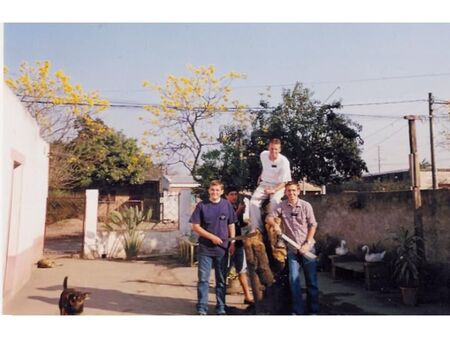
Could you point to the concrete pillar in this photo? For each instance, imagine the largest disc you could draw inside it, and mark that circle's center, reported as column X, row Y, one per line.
column 90, row 225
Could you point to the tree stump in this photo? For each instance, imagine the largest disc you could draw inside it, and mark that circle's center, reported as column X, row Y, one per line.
column 268, row 272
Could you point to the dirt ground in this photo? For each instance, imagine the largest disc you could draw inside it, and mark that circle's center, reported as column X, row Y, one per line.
column 63, row 237
column 165, row 286
column 67, row 227
column 148, row 287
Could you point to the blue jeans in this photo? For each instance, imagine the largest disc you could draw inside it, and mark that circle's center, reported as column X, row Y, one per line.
column 205, row 264
column 309, row 266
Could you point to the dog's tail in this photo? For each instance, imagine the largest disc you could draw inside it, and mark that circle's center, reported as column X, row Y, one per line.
column 65, row 283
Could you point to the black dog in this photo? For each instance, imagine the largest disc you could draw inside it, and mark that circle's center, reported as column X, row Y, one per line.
column 71, row 301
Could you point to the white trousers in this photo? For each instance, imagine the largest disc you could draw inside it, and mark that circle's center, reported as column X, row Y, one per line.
column 258, row 197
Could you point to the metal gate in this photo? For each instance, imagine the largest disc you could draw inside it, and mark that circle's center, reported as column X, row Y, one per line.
column 64, row 224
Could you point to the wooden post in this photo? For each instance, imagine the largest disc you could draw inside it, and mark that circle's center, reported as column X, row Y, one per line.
column 433, row 160
column 415, row 180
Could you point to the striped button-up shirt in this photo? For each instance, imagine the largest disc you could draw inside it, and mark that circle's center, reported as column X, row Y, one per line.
column 296, row 219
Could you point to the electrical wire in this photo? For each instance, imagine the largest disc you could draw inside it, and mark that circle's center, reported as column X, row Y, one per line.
column 227, row 109
column 388, row 137
column 381, row 129
column 383, row 78
column 382, row 103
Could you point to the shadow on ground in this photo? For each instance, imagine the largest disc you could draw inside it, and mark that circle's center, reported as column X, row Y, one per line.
column 63, row 244
column 332, row 304
column 121, row 302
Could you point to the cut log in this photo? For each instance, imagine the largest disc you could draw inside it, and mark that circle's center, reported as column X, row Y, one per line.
column 268, row 273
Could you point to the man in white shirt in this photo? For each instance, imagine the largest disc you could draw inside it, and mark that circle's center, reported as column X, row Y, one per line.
column 276, row 171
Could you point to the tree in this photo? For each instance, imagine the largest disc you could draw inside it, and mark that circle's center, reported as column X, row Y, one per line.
column 229, row 164
column 425, row 164
column 55, row 104
column 101, row 156
column 321, row 145
column 189, row 107
column 61, row 171
column 53, row 101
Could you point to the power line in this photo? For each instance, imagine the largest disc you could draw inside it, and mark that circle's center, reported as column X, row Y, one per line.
column 388, row 137
column 382, row 103
column 382, row 78
column 227, row 109
column 381, row 129
column 385, row 78
column 372, row 116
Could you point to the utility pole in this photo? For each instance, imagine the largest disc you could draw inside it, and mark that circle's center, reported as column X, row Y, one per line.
column 414, row 169
column 379, row 160
column 433, row 162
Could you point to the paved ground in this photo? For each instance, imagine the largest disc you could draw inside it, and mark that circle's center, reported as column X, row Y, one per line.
column 164, row 287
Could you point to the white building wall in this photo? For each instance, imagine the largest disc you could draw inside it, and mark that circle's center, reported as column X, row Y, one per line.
column 426, row 179
column 24, row 190
column 178, row 207
column 171, row 200
column 187, row 206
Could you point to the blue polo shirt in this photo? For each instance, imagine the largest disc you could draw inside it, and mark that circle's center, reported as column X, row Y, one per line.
column 214, row 218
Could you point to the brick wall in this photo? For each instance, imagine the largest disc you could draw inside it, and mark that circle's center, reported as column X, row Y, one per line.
column 366, row 218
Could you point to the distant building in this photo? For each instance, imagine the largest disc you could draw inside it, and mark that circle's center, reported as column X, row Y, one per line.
column 403, row 176
column 307, row 188
column 178, row 199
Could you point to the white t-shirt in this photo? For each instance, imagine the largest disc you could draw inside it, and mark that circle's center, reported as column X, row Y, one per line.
column 275, row 172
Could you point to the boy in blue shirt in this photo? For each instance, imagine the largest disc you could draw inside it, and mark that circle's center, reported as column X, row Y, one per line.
column 213, row 220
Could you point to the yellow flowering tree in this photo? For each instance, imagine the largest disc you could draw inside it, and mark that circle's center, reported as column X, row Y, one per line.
column 181, row 126
column 56, row 104
column 52, row 99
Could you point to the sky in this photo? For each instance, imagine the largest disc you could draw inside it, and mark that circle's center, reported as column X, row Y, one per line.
column 358, row 64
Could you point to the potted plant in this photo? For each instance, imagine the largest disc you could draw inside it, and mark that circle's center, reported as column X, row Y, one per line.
column 407, row 264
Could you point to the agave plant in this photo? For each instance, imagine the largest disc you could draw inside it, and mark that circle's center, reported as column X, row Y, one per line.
column 409, row 257
column 129, row 221
column 129, row 218
column 132, row 243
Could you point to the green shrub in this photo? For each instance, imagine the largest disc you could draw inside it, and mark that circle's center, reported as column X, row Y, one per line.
column 128, row 221
column 408, row 260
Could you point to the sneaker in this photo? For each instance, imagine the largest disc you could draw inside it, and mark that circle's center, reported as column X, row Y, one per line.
column 202, row 313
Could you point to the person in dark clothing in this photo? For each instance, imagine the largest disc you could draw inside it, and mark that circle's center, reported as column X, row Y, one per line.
column 213, row 220
column 238, row 258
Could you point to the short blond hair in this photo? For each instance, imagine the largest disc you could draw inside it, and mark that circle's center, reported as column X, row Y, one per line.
column 216, row 183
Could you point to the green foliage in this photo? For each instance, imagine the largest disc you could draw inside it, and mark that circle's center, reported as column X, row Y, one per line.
column 101, row 156
column 229, row 164
column 408, row 260
column 320, row 144
column 129, row 221
column 132, row 243
column 128, row 218
column 424, row 164
column 325, row 246
column 377, row 247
